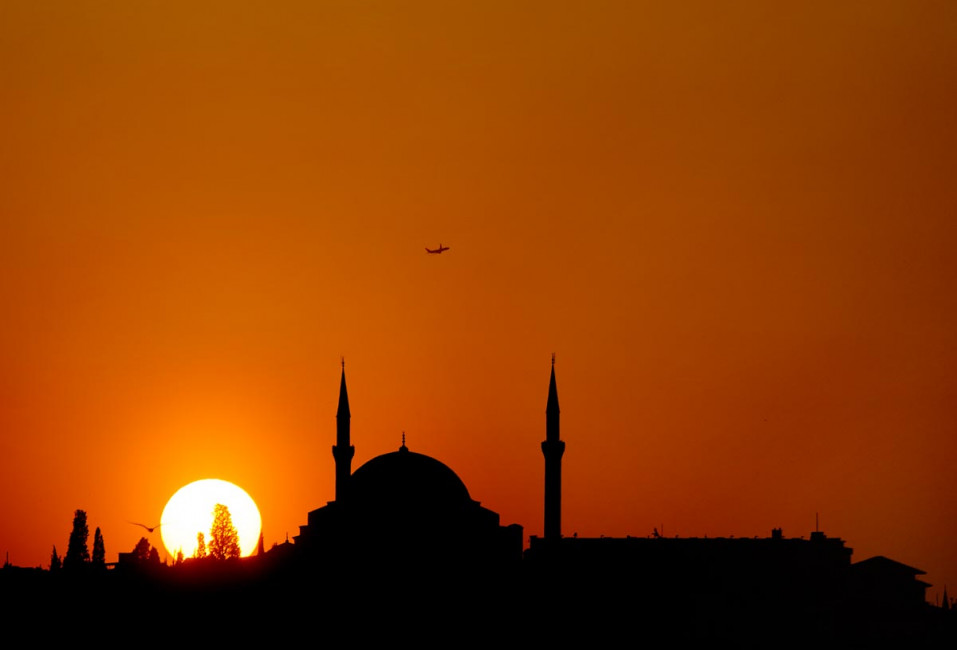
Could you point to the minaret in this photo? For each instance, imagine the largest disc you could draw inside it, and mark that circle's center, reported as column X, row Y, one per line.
column 553, row 448
column 342, row 451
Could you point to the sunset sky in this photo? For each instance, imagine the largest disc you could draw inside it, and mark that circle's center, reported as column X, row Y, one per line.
column 734, row 223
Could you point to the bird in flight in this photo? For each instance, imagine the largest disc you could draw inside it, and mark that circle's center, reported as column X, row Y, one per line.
column 151, row 529
column 436, row 251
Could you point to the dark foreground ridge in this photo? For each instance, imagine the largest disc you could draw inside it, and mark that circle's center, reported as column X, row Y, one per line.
column 556, row 595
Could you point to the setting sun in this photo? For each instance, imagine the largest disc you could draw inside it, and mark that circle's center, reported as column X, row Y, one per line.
column 190, row 511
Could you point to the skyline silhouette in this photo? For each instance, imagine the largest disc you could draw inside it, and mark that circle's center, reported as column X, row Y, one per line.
column 403, row 536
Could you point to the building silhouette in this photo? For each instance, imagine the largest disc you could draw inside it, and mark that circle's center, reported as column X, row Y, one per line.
column 409, row 515
column 404, row 510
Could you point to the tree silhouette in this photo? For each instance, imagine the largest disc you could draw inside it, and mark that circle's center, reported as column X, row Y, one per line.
column 99, row 551
column 154, row 557
column 55, row 563
column 141, row 552
column 200, row 545
column 77, row 552
column 223, row 538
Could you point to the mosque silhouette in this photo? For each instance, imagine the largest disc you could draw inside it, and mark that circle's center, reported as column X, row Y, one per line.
column 404, row 509
column 404, row 522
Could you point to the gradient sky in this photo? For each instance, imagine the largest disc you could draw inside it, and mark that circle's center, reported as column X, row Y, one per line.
column 734, row 223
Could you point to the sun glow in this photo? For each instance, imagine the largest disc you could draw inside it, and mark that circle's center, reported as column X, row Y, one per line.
column 190, row 511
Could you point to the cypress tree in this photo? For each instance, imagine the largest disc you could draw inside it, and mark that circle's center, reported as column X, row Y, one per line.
column 77, row 552
column 99, row 550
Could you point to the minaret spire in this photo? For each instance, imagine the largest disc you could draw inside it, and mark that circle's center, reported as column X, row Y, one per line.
column 343, row 451
column 552, row 449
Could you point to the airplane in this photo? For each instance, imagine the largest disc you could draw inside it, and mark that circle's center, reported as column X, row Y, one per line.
column 436, row 251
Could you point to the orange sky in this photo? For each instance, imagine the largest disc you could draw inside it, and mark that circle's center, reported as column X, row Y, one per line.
column 733, row 222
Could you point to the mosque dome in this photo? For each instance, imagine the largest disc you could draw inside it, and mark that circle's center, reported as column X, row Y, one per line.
column 405, row 479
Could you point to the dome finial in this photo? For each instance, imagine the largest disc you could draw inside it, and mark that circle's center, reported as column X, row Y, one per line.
column 553, row 360
column 403, row 447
